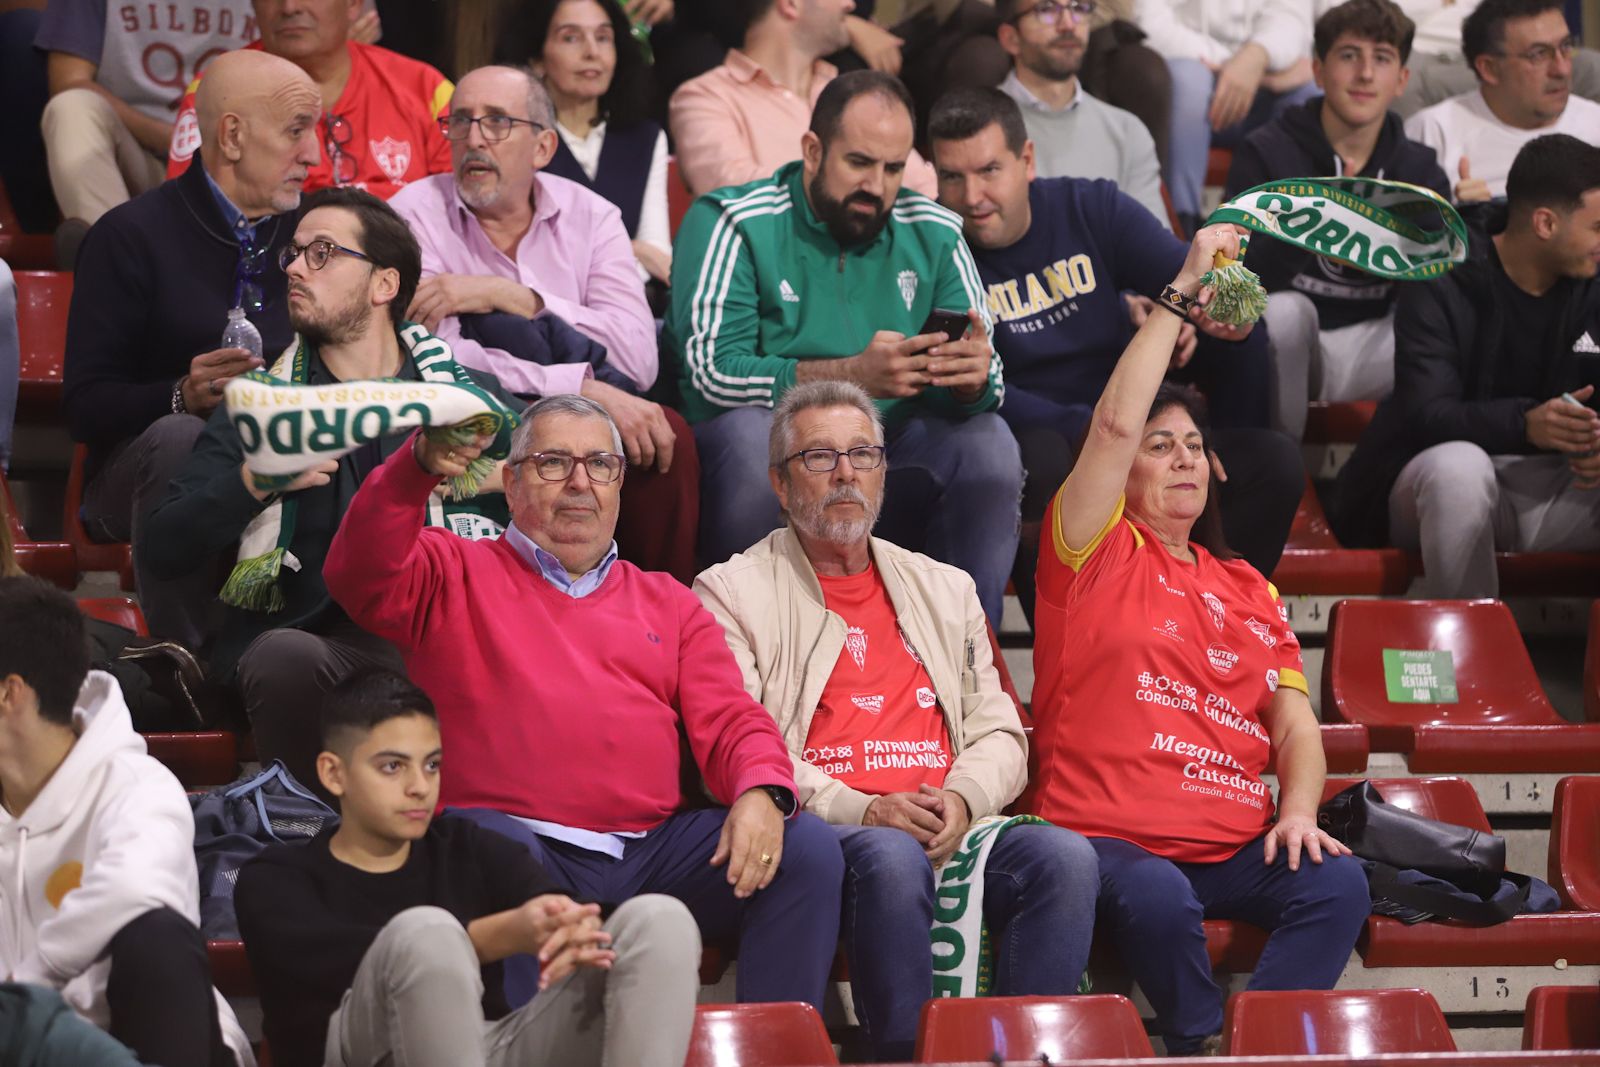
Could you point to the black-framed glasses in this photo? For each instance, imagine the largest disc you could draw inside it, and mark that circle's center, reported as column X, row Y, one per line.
column 338, row 135
column 1050, row 12
column 458, row 127
column 317, row 253
column 602, row 467
column 823, row 460
column 247, row 292
column 1541, row 55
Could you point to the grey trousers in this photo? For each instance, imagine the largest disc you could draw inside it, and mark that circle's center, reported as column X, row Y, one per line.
column 1354, row 362
column 1457, row 505
column 115, row 505
column 1434, row 79
column 415, row 1001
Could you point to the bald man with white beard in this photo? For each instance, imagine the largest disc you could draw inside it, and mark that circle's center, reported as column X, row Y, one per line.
column 155, row 281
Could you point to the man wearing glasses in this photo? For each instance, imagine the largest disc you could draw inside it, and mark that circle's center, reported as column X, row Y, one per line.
column 1073, row 134
column 1521, row 52
column 511, row 257
column 151, row 299
column 351, row 268
column 565, row 678
column 377, row 129
column 876, row 664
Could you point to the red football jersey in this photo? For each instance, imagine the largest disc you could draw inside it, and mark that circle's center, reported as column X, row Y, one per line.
column 878, row 727
column 1150, row 676
column 382, row 133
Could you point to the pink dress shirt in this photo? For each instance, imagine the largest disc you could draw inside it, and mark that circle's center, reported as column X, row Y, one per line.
column 734, row 124
column 576, row 255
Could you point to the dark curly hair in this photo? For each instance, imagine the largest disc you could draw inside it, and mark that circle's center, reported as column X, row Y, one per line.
column 521, row 41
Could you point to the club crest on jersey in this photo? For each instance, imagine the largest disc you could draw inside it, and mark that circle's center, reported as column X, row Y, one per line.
column 873, row 703
column 393, row 157
column 855, row 642
column 1222, row 658
column 1213, row 605
column 1261, row 630
column 908, row 287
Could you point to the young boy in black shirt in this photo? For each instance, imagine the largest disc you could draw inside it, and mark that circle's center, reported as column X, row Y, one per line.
column 383, row 938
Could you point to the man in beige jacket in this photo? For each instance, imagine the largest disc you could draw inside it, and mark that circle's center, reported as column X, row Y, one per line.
column 876, row 664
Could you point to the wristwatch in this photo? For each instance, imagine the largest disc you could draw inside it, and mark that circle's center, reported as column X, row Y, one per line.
column 784, row 799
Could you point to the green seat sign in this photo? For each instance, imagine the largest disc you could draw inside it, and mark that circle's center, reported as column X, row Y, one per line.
column 1419, row 676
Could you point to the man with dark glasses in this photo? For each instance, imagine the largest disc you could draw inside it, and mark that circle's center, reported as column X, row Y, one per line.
column 154, row 285
column 377, row 130
column 351, row 268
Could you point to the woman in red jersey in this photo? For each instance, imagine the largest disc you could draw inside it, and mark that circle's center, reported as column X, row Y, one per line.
column 1166, row 675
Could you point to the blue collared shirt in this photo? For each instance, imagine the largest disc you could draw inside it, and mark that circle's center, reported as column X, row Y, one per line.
column 241, row 227
column 552, row 569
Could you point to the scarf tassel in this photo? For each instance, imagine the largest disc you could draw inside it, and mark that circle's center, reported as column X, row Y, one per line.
column 253, row 585
column 1238, row 297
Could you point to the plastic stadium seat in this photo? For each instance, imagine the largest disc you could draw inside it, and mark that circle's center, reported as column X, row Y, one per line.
column 1343, row 745
column 1575, row 843
column 1006, row 682
column 92, row 555
column 197, row 760
column 758, row 1035
column 1217, row 166
column 42, row 301
column 22, row 250
column 117, row 610
column 1315, row 564
column 1495, row 681
column 1591, row 667
column 1032, row 1029
column 1338, row 423
column 54, row 561
column 1524, row 941
column 1342, row 1022
column 230, row 969
column 678, row 196
column 1561, row 1017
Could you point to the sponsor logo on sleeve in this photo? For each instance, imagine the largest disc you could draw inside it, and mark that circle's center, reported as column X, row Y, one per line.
column 925, row 697
column 1272, row 680
column 186, row 137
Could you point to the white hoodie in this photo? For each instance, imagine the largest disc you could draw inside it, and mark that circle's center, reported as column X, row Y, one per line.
column 1213, row 30
column 109, row 838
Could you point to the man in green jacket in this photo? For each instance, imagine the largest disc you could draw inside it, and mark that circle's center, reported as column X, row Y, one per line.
column 829, row 270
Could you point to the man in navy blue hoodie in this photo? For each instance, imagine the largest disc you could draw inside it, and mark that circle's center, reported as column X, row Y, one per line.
column 1071, row 267
column 1332, row 325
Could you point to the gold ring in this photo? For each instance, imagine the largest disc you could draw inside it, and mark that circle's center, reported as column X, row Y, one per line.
column 450, row 455
column 766, row 858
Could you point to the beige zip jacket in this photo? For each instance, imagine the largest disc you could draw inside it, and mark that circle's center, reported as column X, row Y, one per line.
column 770, row 603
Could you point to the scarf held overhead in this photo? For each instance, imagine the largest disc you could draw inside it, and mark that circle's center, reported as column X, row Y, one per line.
column 287, row 427
column 1372, row 224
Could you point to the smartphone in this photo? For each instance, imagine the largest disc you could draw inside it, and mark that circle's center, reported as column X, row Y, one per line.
column 953, row 324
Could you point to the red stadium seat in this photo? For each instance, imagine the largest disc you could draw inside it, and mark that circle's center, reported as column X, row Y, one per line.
column 1338, row 423
column 198, row 760
column 1524, row 941
column 1006, row 682
column 42, row 301
column 117, row 610
column 1344, row 746
column 54, row 561
column 1495, row 682
column 678, row 196
column 23, row 251
column 759, row 1035
column 1315, row 564
column 1032, row 1029
column 1574, row 837
column 1217, row 166
column 1591, row 667
column 1562, row 1017
column 230, row 969
column 93, row 555
column 1342, row 1022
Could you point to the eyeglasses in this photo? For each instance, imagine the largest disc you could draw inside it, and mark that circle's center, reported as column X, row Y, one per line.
column 339, row 134
column 823, row 460
column 1540, row 55
column 1050, row 12
column 602, row 467
column 493, row 127
column 317, row 254
column 247, row 276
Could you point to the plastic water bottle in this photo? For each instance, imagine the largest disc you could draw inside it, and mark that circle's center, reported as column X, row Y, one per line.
column 241, row 333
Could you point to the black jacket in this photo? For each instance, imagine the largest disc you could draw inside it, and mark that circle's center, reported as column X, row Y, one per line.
column 1295, row 146
column 1451, row 369
column 154, row 282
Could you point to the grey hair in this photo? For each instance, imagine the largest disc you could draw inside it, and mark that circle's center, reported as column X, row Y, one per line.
column 809, row 397
column 540, row 109
column 560, row 404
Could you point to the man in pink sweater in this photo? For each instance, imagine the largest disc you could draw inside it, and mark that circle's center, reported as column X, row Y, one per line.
column 563, row 676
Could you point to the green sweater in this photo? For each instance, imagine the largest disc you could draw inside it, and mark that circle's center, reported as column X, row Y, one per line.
column 759, row 283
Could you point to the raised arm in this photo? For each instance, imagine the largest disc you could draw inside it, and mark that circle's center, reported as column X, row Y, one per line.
column 1096, row 483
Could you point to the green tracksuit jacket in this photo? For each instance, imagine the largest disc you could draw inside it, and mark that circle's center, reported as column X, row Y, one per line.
column 758, row 283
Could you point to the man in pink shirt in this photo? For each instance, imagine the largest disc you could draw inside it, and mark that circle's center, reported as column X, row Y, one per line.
column 744, row 120
column 505, row 248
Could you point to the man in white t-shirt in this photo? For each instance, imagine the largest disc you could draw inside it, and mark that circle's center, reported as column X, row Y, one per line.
column 117, row 72
column 1521, row 52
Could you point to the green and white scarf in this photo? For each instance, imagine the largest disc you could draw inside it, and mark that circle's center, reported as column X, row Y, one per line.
column 1371, row 224
column 963, row 959
column 287, row 427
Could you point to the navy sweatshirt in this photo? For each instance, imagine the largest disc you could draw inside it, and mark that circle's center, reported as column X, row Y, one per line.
column 1294, row 145
column 154, row 282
